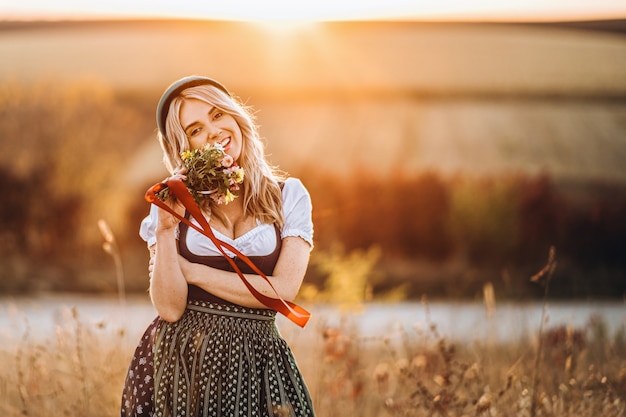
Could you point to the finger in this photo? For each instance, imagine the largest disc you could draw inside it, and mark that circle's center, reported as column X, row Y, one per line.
column 181, row 170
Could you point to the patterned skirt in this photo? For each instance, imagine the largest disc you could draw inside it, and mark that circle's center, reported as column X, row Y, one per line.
column 217, row 360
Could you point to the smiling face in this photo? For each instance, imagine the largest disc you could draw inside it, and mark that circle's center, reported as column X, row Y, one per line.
column 205, row 124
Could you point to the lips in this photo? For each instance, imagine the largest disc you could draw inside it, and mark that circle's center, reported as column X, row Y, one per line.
column 224, row 143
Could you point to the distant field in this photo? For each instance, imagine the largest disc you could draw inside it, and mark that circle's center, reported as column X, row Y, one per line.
column 453, row 98
column 572, row 140
column 356, row 57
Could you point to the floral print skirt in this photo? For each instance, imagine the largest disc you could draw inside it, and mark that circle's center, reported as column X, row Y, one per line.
column 217, row 360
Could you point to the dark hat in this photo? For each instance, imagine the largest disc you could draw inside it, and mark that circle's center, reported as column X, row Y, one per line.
column 175, row 89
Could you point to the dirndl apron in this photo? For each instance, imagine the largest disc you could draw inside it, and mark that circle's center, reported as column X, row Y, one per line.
column 219, row 359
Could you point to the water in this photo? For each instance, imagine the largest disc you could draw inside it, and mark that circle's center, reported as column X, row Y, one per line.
column 42, row 316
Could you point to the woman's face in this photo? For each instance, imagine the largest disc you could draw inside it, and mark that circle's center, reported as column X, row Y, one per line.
column 204, row 124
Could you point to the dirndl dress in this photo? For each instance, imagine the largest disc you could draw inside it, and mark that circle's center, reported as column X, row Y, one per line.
column 220, row 359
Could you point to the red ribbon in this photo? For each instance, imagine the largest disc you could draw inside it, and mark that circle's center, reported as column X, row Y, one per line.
column 178, row 189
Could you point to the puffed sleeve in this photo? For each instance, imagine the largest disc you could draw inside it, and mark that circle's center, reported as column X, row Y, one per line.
column 147, row 230
column 297, row 209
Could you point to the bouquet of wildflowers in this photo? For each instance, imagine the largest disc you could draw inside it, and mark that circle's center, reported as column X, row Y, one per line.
column 211, row 173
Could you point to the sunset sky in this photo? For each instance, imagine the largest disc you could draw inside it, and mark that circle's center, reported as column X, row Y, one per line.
column 285, row 10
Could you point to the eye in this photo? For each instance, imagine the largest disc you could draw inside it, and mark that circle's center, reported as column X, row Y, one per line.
column 194, row 132
column 217, row 115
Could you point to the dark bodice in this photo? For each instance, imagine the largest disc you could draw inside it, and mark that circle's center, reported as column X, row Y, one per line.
column 265, row 263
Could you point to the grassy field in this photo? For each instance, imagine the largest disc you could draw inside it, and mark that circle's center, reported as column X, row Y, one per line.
column 451, row 97
column 357, row 57
column 577, row 140
column 405, row 372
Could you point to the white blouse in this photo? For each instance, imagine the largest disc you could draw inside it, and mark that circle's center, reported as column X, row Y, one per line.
column 259, row 241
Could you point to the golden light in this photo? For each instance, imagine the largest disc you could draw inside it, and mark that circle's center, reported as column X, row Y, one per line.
column 319, row 10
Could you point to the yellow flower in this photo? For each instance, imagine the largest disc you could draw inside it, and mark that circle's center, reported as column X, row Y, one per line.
column 186, row 155
column 228, row 197
column 238, row 176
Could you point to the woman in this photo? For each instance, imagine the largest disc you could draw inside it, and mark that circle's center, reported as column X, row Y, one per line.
column 214, row 349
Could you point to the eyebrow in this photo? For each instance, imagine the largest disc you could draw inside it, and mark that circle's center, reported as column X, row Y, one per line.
column 185, row 128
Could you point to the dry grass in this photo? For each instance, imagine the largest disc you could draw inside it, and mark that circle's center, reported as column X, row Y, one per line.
column 406, row 372
column 421, row 373
column 75, row 373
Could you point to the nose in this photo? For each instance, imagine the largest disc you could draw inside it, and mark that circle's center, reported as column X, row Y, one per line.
column 214, row 133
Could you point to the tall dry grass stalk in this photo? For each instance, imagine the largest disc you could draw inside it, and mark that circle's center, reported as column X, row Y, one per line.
column 110, row 246
column 489, row 298
column 543, row 277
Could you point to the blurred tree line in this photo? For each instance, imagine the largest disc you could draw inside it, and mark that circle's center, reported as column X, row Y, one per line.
column 65, row 149
column 450, row 236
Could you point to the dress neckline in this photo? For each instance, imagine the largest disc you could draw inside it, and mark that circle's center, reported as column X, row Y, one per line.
column 244, row 237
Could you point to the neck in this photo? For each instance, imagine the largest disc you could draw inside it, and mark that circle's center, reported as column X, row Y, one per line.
column 230, row 213
column 231, row 221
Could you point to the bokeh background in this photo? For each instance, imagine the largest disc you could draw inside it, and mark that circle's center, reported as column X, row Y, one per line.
column 445, row 155
column 452, row 151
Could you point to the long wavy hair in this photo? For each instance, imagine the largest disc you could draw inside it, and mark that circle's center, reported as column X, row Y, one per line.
column 261, row 191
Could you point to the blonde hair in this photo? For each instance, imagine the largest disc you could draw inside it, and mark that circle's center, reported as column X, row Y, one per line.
column 261, row 191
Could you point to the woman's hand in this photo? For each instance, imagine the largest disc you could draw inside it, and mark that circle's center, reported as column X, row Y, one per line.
column 166, row 220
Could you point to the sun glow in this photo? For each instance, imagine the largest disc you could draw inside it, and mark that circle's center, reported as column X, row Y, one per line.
column 313, row 10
